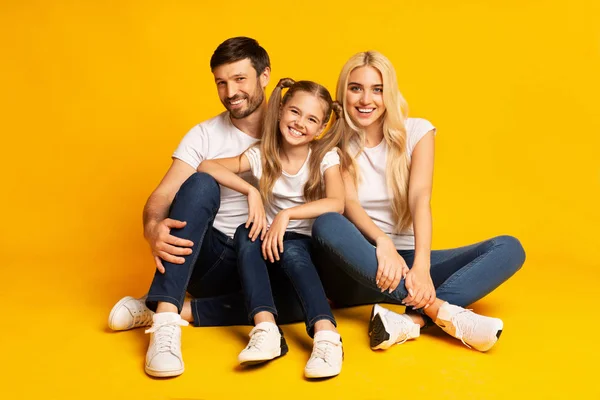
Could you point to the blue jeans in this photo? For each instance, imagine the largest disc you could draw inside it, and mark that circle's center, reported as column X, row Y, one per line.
column 296, row 262
column 210, row 273
column 347, row 264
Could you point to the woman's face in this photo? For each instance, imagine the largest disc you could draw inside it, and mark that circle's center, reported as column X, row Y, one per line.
column 364, row 96
column 301, row 118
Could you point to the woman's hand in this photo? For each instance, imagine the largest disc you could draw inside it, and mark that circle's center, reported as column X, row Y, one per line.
column 256, row 215
column 391, row 267
column 273, row 241
column 421, row 292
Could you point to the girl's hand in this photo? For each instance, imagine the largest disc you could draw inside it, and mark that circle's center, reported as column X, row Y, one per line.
column 273, row 241
column 256, row 215
column 391, row 267
column 421, row 292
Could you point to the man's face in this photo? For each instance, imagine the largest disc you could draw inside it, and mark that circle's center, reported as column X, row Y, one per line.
column 240, row 89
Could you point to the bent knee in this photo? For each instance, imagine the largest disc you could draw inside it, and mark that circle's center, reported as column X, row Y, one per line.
column 328, row 224
column 513, row 248
column 200, row 184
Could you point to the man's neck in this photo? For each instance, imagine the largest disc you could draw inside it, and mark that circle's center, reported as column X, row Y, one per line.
column 252, row 124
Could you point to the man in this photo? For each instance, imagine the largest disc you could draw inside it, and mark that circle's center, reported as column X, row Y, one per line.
column 189, row 220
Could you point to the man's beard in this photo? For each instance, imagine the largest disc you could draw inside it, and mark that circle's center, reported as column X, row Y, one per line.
column 253, row 103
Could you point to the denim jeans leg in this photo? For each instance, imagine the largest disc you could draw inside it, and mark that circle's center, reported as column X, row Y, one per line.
column 197, row 203
column 296, row 262
column 351, row 253
column 466, row 274
column 254, row 274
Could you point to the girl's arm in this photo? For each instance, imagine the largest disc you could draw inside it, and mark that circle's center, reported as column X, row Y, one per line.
column 419, row 202
column 225, row 171
column 391, row 267
column 333, row 202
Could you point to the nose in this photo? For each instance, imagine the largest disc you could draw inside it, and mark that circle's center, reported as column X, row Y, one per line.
column 366, row 97
column 231, row 91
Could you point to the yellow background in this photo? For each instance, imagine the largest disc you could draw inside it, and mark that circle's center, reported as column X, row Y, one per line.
column 95, row 96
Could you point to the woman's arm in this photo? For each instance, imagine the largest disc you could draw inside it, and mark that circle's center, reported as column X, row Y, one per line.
column 419, row 202
column 391, row 267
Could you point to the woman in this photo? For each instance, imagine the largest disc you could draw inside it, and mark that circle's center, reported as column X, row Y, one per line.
column 383, row 249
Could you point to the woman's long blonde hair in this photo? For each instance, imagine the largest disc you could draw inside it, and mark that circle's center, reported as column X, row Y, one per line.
column 270, row 144
column 394, row 132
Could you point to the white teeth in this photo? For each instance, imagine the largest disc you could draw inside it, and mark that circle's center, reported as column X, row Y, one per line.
column 236, row 102
column 295, row 132
column 365, row 110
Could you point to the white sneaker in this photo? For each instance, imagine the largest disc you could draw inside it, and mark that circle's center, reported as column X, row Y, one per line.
column 129, row 313
column 164, row 358
column 327, row 356
column 473, row 329
column 388, row 328
column 266, row 343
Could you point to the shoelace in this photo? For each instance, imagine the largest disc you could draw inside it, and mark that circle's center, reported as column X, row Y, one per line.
column 141, row 315
column 404, row 330
column 464, row 325
column 165, row 334
column 322, row 350
column 257, row 337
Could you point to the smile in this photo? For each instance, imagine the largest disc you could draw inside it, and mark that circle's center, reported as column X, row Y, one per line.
column 295, row 133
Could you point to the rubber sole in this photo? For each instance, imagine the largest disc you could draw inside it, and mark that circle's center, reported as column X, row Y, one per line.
column 378, row 333
column 164, row 374
column 283, row 349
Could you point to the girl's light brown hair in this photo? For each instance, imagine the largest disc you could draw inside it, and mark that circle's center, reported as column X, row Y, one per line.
column 271, row 138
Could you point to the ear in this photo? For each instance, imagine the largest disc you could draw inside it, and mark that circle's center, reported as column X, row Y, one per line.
column 265, row 77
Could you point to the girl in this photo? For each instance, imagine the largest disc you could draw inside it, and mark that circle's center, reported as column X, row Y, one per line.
column 387, row 252
column 299, row 179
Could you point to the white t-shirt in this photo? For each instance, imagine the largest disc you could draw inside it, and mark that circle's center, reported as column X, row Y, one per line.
column 373, row 193
column 219, row 138
column 288, row 190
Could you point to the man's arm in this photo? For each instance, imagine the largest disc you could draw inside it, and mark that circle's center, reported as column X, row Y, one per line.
column 157, row 226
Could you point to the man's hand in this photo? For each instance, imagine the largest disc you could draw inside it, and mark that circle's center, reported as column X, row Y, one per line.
column 166, row 246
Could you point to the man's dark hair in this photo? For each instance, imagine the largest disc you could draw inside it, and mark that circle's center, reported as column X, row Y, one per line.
column 240, row 48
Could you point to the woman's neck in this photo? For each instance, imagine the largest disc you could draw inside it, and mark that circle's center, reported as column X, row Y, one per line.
column 374, row 134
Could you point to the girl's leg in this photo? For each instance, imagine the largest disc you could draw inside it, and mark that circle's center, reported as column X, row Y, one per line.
column 266, row 339
column 327, row 355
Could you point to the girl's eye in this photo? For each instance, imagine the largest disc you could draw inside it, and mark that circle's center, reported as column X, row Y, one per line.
column 240, row 79
column 294, row 111
column 314, row 121
column 378, row 90
column 355, row 88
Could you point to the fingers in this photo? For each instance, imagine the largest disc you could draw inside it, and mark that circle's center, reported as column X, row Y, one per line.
column 264, row 230
column 386, row 280
column 397, row 278
column 176, row 251
column 409, row 287
column 159, row 265
column 379, row 273
column 175, row 241
column 173, row 223
column 170, row 258
column 255, row 230
column 280, row 242
column 268, row 248
column 273, row 246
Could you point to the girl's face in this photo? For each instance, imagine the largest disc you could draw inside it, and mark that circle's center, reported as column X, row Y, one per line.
column 364, row 96
column 301, row 118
